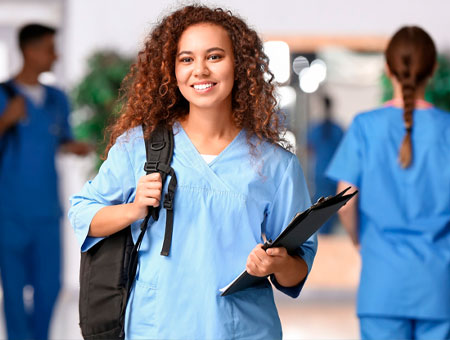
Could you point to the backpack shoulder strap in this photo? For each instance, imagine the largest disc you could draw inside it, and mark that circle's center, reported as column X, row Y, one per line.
column 159, row 148
column 9, row 90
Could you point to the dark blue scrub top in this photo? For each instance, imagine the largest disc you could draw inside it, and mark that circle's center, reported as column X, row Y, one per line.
column 28, row 179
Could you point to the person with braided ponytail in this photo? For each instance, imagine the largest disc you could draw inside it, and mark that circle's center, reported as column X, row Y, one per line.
column 398, row 157
column 202, row 73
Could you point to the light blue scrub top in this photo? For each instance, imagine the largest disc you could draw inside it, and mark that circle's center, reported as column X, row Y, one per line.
column 220, row 212
column 28, row 179
column 404, row 226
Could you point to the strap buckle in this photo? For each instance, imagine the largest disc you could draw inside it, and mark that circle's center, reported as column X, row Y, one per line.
column 168, row 201
column 151, row 166
column 156, row 146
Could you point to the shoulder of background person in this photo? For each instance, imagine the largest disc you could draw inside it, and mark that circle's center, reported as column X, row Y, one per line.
column 56, row 91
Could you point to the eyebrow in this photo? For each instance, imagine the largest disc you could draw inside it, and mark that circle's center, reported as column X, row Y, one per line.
column 209, row 50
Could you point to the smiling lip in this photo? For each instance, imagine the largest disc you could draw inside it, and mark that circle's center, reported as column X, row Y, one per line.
column 203, row 86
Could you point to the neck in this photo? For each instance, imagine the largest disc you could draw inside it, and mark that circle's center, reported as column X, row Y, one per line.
column 398, row 93
column 28, row 76
column 210, row 122
column 210, row 130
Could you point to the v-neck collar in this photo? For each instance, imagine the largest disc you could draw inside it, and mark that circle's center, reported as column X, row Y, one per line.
column 18, row 87
column 196, row 157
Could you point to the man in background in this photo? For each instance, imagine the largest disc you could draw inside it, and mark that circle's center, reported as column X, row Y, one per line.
column 33, row 128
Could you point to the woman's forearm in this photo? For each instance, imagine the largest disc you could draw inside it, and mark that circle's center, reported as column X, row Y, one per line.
column 112, row 219
column 348, row 214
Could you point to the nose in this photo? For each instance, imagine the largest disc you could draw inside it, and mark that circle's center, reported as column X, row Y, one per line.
column 200, row 68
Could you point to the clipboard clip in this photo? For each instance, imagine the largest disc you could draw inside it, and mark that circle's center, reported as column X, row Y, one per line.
column 320, row 201
column 267, row 244
column 323, row 199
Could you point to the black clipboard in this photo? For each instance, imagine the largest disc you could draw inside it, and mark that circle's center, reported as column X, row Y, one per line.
column 302, row 226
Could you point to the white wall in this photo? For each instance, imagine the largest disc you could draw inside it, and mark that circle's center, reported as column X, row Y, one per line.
column 122, row 25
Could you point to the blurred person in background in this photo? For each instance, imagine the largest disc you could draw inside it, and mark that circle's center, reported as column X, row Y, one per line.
column 323, row 139
column 398, row 157
column 33, row 127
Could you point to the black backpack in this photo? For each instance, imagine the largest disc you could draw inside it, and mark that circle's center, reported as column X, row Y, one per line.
column 108, row 269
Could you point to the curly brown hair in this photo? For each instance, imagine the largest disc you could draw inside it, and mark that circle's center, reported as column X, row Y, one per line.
column 150, row 93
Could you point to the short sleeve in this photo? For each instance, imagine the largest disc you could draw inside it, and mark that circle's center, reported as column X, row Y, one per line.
column 347, row 161
column 292, row 196
column 114, row 184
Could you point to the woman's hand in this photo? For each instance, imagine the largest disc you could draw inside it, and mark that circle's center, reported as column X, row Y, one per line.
column 148, row 193
column 262, row 262
column 288, row 270
column 110, row 219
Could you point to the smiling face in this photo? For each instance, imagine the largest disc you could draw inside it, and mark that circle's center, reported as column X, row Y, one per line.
column 204, row 67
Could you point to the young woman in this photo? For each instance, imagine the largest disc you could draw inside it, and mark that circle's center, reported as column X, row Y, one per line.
column 201, row 73
column 398, row 157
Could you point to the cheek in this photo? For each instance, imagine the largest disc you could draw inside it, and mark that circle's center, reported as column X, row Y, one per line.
column 178, row 74
column 181, row 75
column 230, row 72
column 230, row 77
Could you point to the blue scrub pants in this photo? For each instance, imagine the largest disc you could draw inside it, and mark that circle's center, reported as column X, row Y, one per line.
column 30, row 254
column 381, row 328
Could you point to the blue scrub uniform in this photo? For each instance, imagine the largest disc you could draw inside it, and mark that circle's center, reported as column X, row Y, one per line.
column 404, row 226
column 30, row 212
column 221, row 209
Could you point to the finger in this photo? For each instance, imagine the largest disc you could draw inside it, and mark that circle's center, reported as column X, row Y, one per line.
column 258, row 248
column 254, row 258
column 261, row 253
column 151, row 193
column 258, row 256
column 264, row 266
column 253, row 269
column 153, row 202
column 277, row 251
column 152, row 185
column 154, row 176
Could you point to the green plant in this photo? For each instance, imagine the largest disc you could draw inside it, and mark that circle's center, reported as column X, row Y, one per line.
column 95, row 97
column 438, row 89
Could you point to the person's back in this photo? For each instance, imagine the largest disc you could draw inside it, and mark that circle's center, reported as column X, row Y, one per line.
column 403, row 212
column 398, row 157
column 412, row 194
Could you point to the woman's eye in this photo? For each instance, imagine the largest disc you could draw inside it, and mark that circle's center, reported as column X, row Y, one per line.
column 215, row 57
column 186, row 60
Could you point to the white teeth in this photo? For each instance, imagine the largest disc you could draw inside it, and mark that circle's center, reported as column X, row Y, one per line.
column 203, row 86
